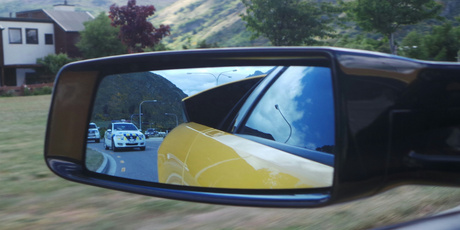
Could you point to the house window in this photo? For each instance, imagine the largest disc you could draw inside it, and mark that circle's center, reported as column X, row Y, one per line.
column 49, row 39
column 32, row 36
column 15, row 35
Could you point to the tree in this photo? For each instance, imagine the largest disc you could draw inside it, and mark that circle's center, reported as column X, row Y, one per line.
column 412, row 46
column 158, row 47
column 387, row 16
column 362, row 42
column 136, row 31
column 203, row 45
column 100, row 38
column 441, row 44
column 289, row 22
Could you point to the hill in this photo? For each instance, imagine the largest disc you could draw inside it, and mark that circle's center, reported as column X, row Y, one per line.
column 93, row 6
column 119, row 96
column 216, row 21
column 193, row 21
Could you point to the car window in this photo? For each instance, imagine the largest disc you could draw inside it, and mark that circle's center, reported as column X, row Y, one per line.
column 124, row 127
column 297, row 110
column 92, row 126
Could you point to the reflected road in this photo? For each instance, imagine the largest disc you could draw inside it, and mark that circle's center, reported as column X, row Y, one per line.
column 132, row 163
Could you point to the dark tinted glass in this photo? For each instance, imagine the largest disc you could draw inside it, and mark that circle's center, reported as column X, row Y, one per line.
column 124, row 127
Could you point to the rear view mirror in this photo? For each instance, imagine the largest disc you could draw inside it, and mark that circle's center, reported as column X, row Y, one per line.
column 287, row 142
column 285, row 127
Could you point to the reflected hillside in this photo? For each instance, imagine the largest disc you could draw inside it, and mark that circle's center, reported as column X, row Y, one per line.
column 119, row 97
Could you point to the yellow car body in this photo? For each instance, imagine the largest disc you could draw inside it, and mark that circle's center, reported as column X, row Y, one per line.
column 197, row 155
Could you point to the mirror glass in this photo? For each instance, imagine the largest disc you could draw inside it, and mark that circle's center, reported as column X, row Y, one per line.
column 176, row 126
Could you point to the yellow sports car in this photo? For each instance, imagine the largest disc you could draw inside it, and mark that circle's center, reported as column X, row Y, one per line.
column 273, row 131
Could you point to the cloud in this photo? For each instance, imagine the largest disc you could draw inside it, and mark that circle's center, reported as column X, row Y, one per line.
column 193, row 81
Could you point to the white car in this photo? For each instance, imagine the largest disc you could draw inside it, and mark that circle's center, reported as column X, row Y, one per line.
column 123, row 135
column 93, row 133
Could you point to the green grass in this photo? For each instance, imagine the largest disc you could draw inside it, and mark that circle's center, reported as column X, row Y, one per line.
column 34, row 198
column 94, row 159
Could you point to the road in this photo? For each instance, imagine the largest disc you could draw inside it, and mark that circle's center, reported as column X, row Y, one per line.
column 133, row 163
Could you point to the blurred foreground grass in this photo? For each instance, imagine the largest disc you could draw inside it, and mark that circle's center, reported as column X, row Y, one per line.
column 31, row 197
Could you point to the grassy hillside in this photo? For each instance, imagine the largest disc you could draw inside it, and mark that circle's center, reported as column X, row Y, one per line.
column 216, row 21
column 93, row 6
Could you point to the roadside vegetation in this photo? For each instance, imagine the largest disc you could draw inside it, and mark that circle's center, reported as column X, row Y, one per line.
column 34, row 198
column 25, row 91
column 94, row 159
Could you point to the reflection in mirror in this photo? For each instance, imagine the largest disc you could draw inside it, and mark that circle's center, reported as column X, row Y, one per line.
column 172, row 126
column 281, row 116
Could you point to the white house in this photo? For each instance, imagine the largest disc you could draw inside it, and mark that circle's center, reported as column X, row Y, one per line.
column 22, row 41
column 34, row 34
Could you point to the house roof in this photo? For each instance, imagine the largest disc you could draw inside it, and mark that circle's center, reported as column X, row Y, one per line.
column 69, row 21
column 26, row 20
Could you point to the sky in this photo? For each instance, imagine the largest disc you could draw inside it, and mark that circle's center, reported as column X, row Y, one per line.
column 195, row 80
column 298, row 108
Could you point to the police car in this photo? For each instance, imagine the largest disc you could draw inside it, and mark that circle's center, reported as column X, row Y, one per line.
column 123, row 135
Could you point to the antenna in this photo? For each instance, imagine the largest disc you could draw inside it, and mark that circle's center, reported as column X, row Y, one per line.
column 290, row 127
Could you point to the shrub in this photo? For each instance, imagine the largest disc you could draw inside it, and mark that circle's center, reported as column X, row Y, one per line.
column 7, row 93
column 45, row 90
column 53, row 62
column 27, row 92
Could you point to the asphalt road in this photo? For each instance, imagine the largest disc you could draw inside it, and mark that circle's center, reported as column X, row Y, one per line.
column 132, row 163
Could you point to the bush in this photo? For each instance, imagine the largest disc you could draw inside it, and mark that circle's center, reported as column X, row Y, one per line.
column 8, row 93
column 27, row 92
column 52, row 63
column 46, row 90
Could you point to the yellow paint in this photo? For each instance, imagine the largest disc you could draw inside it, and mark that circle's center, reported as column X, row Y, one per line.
column 122, row 161
column 169, row 161
column 123, row 169
column 197, row 155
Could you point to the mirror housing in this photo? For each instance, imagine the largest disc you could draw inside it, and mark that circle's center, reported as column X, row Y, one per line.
column 387, row 109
